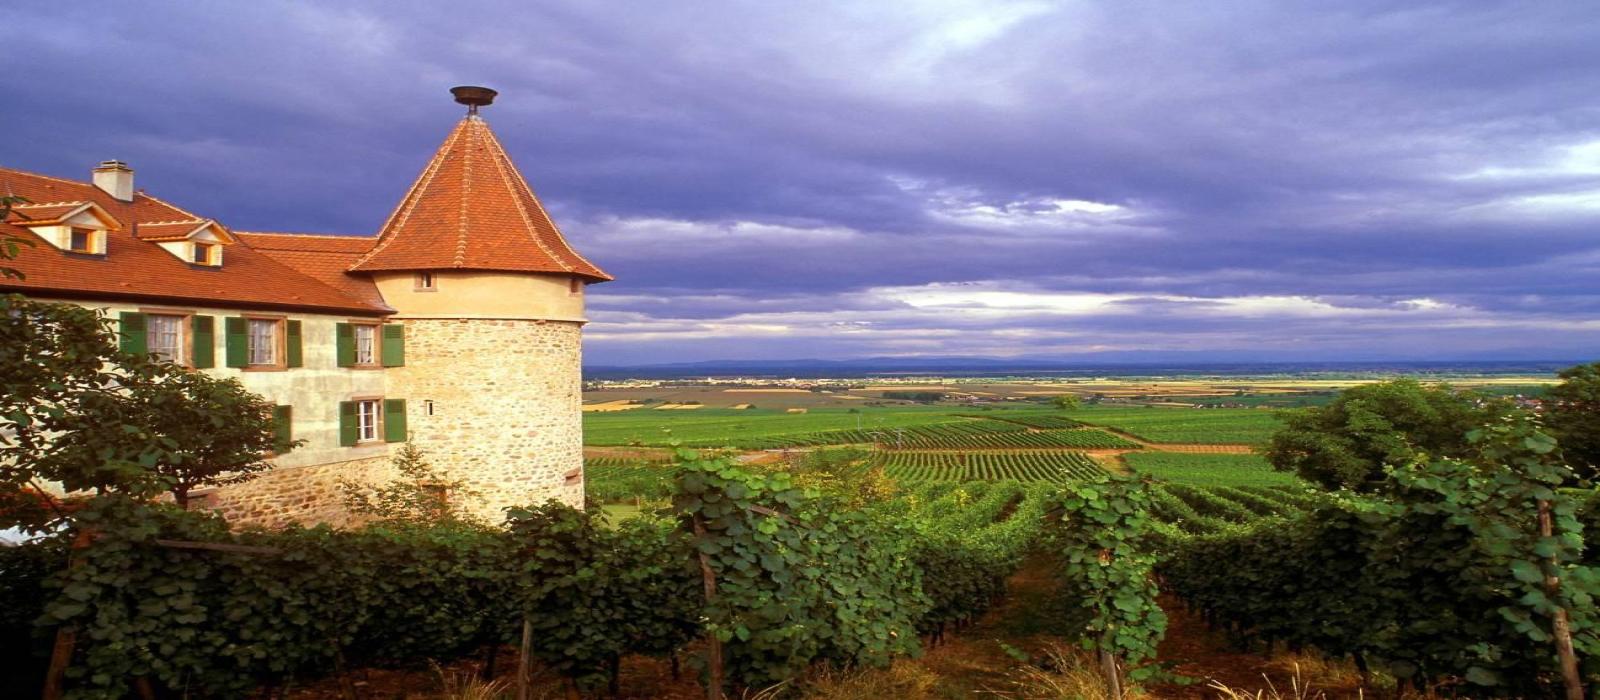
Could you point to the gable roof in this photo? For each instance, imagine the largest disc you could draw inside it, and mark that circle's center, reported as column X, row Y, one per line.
column 52, row 213
column 140, row 269
column 324, row 257
column 178, row 230
column 470, row 209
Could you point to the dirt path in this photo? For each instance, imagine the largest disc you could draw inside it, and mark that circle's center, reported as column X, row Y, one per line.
column 972, row 660
column 1204, row 655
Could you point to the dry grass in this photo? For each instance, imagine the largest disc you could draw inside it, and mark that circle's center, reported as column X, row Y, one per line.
column 905, row 679
column 1299, row 688
column 1063, row 673
column 466, row 684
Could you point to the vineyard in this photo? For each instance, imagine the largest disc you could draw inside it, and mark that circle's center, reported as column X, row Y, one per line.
column 913, row 467
column 617, row 479
column 968, row 434
column 1042, row 421
column 1244, row 426
column 751, row 429
column 1209, row 469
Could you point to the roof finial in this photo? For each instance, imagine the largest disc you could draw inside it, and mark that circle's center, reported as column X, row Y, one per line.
column 473, row 97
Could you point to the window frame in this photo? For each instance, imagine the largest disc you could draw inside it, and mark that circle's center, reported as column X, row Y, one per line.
column 377, row 419
column 91, row 238
column 185, row 319
column 211, row 250
column 376, row 361
column 426, row 281
column 280, row 343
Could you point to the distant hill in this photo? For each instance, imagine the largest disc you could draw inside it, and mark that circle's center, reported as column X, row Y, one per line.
column 1120, row 364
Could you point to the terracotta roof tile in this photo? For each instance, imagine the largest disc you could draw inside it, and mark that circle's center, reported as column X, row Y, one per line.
column 326, row 258
column 139, row 269
column 167, row 230
column 471, row 209
column 35, row 214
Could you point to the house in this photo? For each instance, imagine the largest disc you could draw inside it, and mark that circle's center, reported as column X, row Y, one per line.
column 457, row 326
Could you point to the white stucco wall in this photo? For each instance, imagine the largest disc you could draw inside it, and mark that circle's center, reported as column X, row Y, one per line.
column 314, row 390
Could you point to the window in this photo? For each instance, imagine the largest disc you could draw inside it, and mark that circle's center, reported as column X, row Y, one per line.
column 366, row 344
column 204, row 254
column 574, row 286
column 263, row 342
column 372, row 419
column 367, row 414
column 425, row 281
column 82, row 241
column 166, row 337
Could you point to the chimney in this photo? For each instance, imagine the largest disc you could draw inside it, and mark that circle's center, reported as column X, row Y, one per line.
column 115, row 178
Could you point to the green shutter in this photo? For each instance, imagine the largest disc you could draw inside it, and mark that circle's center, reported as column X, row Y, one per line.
column 394, row 420
column 203, row 342
column 347, row 423
column 237, row 341
column 134, row 338
column 283, row 426
column 344, row 344
column 394, row 344
column 295, row 356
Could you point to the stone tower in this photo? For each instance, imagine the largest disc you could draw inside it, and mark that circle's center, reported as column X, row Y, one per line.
column 491, row 298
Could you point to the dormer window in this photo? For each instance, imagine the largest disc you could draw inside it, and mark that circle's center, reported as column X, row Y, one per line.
column 206, row 254
column 73, row 227
column 196, row 241
column 82, row 240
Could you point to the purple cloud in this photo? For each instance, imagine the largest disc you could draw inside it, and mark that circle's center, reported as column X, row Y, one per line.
column 768, row 182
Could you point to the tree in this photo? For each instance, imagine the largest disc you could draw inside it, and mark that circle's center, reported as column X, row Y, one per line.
column 77, row 412
column 219, row 433
column 65, row 413
column 1346, row 444
column 421, row 494
column 1573, row 417
column 11, row 245
column 1067, row 402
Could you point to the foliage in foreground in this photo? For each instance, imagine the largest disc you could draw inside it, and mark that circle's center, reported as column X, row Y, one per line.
column 223, row 623
column 1442, row 580
column 795, row 578
column 1101, row 540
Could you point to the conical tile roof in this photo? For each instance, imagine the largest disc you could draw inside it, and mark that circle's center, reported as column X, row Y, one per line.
column 471, row 210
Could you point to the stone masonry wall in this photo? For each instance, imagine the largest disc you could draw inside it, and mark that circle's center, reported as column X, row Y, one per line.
column 506, row 407
column 307, row 495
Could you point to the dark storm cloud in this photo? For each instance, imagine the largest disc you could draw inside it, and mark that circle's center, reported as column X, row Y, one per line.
column 1316, row 179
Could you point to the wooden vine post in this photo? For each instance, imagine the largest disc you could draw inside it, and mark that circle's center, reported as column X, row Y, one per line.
column 523, row 660
column 1562, row 627
column 1108, row 659
column 67, row 636
column 713, row 645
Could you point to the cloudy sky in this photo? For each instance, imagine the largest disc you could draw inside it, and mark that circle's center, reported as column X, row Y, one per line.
column 1295, row 181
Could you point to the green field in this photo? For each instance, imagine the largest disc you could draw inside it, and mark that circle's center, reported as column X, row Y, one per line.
column 1209, row 470
column 748, row 429
column 614, row 479
column 987, row 466
column 898, row 427
column 1245, row 426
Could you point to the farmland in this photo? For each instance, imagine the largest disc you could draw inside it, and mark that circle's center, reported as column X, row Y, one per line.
column 987, row 466
column 1246, row 426
column 747, row 428
column 1208, row 469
